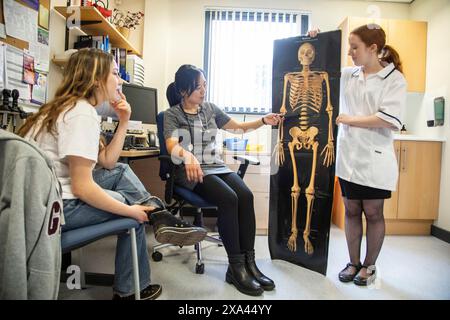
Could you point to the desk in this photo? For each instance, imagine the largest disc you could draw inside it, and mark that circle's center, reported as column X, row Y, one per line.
column 132, row 154
column 146, row 169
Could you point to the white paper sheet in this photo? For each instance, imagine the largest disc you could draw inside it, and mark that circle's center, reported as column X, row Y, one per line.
column 14, row 73
column 2, row 31
column 2, row 65
column 41, row 55
column 39, row 93
column 20, row 21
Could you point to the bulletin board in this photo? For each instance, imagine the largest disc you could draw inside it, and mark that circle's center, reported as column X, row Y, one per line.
column 34, row 87
column 13, row 41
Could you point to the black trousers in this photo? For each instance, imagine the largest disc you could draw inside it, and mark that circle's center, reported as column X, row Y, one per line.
column 236, row 214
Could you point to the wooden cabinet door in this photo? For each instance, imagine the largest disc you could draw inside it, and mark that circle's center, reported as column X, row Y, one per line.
column 419, row 183
column 409, row 38
column 147, row 171
column 412, row 49
column 391, row 205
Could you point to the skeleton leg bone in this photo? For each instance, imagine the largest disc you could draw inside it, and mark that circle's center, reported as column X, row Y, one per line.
column 310, row 191
column 295, row 192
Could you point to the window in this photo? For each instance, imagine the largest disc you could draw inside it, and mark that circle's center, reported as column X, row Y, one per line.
column 238, row 55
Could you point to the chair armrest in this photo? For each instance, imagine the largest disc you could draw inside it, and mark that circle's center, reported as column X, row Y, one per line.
column 247, row 160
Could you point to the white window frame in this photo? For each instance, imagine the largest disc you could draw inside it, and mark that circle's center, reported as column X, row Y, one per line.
column 232, row 98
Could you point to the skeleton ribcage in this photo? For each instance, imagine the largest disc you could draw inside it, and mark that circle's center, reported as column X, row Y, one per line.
column 304, row 94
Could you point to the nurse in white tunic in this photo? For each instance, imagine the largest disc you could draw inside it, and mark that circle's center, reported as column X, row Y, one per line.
column 372, row 99
column 373, row 96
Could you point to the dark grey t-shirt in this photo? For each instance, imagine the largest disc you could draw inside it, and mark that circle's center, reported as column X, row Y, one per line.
column 203, row 127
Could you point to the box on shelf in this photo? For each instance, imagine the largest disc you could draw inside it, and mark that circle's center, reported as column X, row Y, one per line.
column 135, row 68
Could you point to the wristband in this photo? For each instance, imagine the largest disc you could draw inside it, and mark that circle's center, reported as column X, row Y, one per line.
column 262, row 119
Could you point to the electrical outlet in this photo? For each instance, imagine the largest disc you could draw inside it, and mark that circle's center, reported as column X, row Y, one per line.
column 118, row 2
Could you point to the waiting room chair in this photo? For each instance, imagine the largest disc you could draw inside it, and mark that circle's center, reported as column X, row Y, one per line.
column 178, row 197
column 78, row 238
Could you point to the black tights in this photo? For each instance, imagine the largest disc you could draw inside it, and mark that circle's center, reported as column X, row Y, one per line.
column 236, row 215
column 373, row 210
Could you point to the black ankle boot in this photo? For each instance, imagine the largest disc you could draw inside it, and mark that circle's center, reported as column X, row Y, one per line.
column 265, row 282
column 238, row 275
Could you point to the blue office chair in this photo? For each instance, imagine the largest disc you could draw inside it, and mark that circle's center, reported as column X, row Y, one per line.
column 178, row 197
column 78, row 238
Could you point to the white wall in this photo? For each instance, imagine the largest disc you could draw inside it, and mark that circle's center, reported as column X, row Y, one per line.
column 178, row 25
column 137, row 35
column 156, row 36
column 173, row 31
column 437, row 13
column 174, row 34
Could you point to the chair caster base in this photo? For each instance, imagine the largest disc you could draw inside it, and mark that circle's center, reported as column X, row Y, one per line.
column 200, row 268
column 157, row 256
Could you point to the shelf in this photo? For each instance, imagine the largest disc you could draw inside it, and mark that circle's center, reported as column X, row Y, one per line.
column 60, row 62
column 99, row 27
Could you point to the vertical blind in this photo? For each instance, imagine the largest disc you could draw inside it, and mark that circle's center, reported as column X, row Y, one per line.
column 238, row 55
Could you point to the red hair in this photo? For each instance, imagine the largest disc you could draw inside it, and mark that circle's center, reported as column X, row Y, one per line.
column 374, row 34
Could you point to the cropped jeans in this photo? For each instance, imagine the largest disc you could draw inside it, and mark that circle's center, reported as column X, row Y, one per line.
column 123, row 185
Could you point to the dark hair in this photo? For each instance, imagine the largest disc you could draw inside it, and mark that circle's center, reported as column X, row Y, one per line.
column 374, row 34
column 186, row 80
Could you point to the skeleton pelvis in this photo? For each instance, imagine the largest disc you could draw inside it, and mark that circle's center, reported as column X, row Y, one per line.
column 303, row 138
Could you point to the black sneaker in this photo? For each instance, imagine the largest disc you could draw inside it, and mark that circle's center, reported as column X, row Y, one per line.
column 152, row 292
column 170, row 229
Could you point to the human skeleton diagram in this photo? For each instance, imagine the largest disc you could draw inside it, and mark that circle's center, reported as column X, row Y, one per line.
column 305, row 93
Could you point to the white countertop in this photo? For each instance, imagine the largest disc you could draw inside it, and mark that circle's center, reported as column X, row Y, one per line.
column 412, row 137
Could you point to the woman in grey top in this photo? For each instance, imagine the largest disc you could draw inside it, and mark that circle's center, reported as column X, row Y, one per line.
column 190, row 129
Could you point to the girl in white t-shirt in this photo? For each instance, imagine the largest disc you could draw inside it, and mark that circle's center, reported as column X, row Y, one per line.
column 372, row 99
column 68, row 130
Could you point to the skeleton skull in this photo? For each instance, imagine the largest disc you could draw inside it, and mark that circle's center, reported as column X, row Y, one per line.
column 306, row 54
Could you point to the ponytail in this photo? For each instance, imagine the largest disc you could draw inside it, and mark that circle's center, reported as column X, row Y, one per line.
column 186, row 81
column 374, row 34
column 390, row 55
column 172, row 95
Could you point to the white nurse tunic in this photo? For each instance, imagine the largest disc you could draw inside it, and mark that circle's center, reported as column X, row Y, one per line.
column 366, row 156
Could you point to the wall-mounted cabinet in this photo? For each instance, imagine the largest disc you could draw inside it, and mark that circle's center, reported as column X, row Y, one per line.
column 408, row 37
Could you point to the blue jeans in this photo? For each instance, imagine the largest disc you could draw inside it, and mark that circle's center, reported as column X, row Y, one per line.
column 122, row 184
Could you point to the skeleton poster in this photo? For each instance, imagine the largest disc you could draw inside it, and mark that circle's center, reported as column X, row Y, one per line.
column 305, row 89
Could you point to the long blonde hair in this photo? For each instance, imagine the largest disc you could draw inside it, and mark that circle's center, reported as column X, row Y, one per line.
column 86, row 72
